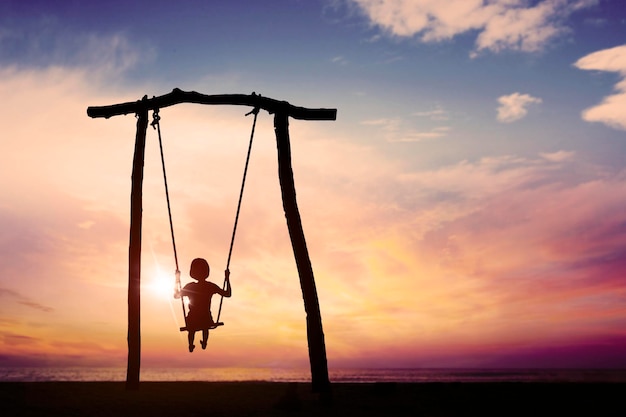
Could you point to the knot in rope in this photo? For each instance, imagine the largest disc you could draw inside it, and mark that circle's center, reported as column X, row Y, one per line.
column 254, row 111
column 256, row 108
column 155, row 118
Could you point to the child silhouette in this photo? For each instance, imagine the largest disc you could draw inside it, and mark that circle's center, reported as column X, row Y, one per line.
column 199, row 294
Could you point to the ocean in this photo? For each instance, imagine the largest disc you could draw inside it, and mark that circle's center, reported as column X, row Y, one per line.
column 84, row 374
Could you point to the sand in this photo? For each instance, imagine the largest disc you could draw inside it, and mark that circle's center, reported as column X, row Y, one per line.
column 188, row 399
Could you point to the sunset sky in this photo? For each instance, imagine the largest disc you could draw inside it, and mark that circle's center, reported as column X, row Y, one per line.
column 466, row 208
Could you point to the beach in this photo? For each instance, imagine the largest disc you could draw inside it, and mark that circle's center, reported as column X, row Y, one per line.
column 164, row 399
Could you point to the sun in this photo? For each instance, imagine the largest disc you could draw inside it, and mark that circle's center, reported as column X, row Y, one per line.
column 162, row 284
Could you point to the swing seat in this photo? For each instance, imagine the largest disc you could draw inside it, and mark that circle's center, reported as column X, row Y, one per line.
column 211, row 327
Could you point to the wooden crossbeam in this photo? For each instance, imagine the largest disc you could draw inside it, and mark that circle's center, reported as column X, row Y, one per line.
column 178, row 96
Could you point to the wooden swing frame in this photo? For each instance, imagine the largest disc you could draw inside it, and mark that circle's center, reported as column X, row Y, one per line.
column 282, row 111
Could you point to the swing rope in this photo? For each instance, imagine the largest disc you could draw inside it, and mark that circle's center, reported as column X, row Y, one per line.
column 254, row 111
column 156, row 125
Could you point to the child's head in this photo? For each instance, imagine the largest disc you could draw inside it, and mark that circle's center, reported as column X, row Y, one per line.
column 199, row 269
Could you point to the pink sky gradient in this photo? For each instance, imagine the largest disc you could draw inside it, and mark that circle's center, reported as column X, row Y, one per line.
column 505, row 260
column 441, row 235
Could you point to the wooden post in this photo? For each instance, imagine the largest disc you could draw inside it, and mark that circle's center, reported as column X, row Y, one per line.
column 134, row 254
column 315, row 332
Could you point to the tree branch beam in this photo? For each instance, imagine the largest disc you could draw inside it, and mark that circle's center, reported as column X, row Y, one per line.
column 178, row 96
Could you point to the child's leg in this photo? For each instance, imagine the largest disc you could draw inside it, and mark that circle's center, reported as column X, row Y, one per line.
column 190, row 337
column 205, row 338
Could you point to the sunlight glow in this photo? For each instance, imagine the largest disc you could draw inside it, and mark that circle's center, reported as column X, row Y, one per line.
column 162, row 285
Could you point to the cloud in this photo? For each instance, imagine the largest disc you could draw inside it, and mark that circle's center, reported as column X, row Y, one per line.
column 612, row 110
column 415, row 136
column 513, row 107
column 604, row 352
column 437, row 114
column 501, row 24
column 17, row 340
column 19, row 298
column 559, row 156
column 396, row 129
column 508, row 211
column 44, row 42
column 339, row 60
column 499, row 247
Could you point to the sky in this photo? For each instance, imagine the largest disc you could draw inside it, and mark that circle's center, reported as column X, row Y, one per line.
column 466, row 208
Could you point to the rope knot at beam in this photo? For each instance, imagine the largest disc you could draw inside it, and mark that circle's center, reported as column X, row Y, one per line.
column 155, row 118
column 256, row 108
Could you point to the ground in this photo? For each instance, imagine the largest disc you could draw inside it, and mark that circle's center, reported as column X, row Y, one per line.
column 190, row 399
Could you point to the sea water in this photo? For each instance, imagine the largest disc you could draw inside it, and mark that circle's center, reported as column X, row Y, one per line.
column 84, row 374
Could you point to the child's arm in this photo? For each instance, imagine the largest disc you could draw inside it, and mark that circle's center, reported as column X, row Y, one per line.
column 228, row 291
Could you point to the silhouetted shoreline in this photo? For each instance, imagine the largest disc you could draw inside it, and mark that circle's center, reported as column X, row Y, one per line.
column 303, row 375
column 156, row 399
